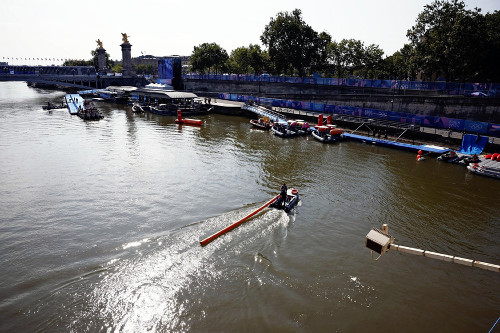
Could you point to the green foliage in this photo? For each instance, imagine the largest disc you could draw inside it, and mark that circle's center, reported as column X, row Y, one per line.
column 447, row 38
column 118, row 68
column 400, row 65
column 72, row 62
column 144, row 69
column 246, row 60
column 208, row 57
column 346, row 56
column 293, row 46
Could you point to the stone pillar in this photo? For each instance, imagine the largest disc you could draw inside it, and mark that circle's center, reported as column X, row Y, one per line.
column 101, row 60
column 127, row 59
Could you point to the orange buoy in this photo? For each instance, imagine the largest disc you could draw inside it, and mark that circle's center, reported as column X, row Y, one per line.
column 336, row 131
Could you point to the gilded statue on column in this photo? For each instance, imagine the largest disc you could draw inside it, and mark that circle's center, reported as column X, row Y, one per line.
column 124, row 38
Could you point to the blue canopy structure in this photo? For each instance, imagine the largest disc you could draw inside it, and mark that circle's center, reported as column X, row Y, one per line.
column 473, row 144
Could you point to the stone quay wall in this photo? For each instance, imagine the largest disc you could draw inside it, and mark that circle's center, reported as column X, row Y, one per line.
column 426, row 103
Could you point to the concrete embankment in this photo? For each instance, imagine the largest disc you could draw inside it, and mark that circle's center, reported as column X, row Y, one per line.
column 429, row 103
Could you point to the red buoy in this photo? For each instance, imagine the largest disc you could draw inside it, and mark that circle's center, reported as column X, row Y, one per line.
column 187, row 121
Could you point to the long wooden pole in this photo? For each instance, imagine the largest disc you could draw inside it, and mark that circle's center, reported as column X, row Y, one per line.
column 234, row 225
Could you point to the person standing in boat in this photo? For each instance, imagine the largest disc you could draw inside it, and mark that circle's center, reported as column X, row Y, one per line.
column 283, row 194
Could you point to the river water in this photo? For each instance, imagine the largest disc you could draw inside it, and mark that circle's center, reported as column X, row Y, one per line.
column 101, row 221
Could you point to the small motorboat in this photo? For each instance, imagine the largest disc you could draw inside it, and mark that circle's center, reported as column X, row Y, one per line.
column 484, row 170
column 52, row 106
column 137, row 108
column 291, row 200
column 261, row 123
column 282, row 130
column 450, row 157
column 469, row 160
column 326, row 134
column 89, row 111
column 299, row 127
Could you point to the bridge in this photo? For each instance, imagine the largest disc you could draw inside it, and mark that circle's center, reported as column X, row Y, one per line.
column 265, row 112
column 80, row 77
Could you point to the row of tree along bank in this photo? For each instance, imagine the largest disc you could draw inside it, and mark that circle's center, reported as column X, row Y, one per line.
column 443, row 43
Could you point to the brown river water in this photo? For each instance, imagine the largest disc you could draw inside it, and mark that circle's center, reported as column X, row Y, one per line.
column 100, row 224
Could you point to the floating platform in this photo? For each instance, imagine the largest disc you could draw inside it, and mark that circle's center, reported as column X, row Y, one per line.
column 74, row 102
column 398, row 145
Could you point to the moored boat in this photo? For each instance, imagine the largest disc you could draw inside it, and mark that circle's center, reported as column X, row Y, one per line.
column 262, row 123
column 89, row 111
column 489, row 166
column 281, row 129
column 450, row 157
column 484, row 170
column 137, row 108
column 327, row 134
column 299, row 127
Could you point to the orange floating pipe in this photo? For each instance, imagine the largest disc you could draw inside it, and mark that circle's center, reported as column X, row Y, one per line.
column 234, row 225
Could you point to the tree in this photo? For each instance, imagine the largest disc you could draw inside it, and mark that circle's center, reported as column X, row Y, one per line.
column 446, row 38
column 319, row 61
column 239, row 61
column 401, row 65
column 346, row 56
column 292, row 44
column 76, row 62
column 144, row 69
column 489, row 70
column 118, row 68
column 251, row 59
column 371, row 60
column 258, row 59
column 208, row 57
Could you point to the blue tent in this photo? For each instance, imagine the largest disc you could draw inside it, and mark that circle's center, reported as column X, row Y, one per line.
column 473, row 144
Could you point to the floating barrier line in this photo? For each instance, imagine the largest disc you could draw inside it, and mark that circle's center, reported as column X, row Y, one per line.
column 445, row 257
column 234, row 225
column 491, row 330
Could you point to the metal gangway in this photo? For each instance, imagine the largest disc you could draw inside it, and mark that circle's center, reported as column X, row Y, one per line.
column 264, row 112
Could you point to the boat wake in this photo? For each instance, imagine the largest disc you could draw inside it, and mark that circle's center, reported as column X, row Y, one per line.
column 156, row 289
